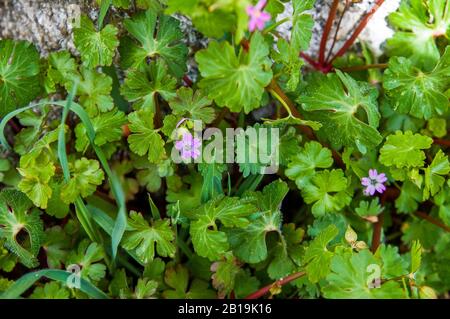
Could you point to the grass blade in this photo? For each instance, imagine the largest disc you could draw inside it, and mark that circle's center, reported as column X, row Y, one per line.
column 121, row 219
column 25, row 282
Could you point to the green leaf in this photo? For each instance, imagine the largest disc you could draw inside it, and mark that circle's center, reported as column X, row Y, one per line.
column 404, row 149
column 56, row 206
column 144, row 139
column 236, row 82
column 437, row 126
column 413, row 91
column 372, row 208
column 341, row 104
column 96, row 48
column 193, row 105
column 212, row 179
column 88, row 255
column 303, row 165
column 19, row 74
column 302, row 24
column 51, row 290
column 208, row 241
column 214, row 19
column 143, row 238
column 328, row 191
column 349, row 278
column 418, row 24
column 17, row 216
column 409, row 198
column 249, row 244
column 107, row 127
column 224, row 276
column 148, row 174
column 287, row 56
column 416, row 256
column 317, row 256
column 257, row 149
column 36, row 182
column 56, row 246
column 94, row 90
column 142, row 87
column 435, row 174
column 162, row 41
column 177, row 278
column 393, row 264
column 61, row 68
column 86, row 176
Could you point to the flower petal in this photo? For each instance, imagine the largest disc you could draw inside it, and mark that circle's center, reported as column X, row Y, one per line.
column 380, row 188
column 365, row 181
column 373, row 173
column 381, row 178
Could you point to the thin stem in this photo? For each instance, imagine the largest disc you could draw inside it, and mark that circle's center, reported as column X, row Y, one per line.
column 275, row 25
column 326, row 31
column 432, row 220
column 187, row 81
column 365, row 67
column 338, row 26
column 442, row 142
column 273, row 87
column 358, row 30
column 275, row 94
column 377, row 229
column 316, row 65
column 279, row 283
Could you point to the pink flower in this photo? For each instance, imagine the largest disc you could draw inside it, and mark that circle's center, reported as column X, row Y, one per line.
column 188, row 146
column 374, row 183
column 258, row 18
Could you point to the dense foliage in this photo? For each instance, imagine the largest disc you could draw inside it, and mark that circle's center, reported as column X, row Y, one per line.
column 88, row 182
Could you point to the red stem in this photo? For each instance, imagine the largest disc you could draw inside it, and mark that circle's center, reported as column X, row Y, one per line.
column 358, row 30
column 188, row 81
column 326, row 31
column 432, row 220
column 261, row 292
column 377, row 230
column 325, row 68
column 338, row 26
column 442, row 142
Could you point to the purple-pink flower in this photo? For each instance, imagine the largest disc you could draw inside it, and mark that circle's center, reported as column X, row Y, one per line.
column 258, row 18
column 374, row 183
column 188, row 146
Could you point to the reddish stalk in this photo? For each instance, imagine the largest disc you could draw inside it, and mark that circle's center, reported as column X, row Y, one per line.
column 15, row 127
column 338, row 26
column 442, row 142
column 326, row 31
column 432, row 220
column 305, row 129
column 358, row 30
column 279, row 283
column 325, row 68
column 377, row 230
column 187, row 81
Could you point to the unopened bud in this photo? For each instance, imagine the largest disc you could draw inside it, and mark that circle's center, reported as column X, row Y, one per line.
column 426, row 292
column 350, row 235
column 360, row 245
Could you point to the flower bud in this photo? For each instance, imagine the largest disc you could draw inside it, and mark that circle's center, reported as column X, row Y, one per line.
column 360, row 245
column 426, row 292
column 350, row 235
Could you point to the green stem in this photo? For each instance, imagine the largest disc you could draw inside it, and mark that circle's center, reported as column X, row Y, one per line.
column 275, row 25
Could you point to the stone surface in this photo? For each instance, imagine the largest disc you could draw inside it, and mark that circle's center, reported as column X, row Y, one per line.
column 49, row 24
